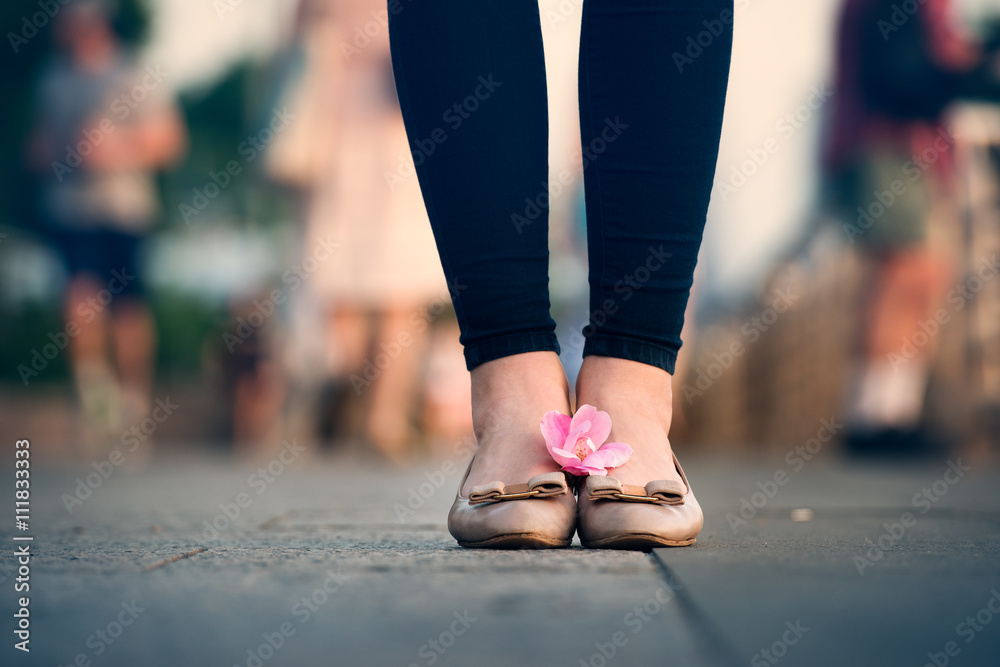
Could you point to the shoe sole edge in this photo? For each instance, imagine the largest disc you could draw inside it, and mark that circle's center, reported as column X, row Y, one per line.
column 517, row 541
column 636, row 542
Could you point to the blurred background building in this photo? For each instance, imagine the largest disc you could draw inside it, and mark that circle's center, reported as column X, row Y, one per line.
column 253, row 157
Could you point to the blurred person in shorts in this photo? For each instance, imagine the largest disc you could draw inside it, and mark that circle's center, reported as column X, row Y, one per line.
column 890, row 160
column 105, row 126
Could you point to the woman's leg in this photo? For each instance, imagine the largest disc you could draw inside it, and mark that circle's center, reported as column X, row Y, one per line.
column 650, row 125
column 470, row 75
column 651, row 116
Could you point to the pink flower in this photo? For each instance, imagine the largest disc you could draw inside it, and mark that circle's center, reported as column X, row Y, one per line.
column 577, row 443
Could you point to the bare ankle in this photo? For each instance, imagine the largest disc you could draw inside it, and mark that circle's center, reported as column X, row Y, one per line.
column 647, row 389
column 537, row 375
column 509, row 398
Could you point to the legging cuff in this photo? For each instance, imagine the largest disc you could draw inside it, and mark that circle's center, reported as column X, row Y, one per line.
column 510, row 344
column 632, row 349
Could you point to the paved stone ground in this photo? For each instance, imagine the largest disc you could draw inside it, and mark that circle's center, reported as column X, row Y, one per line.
column 323, row 553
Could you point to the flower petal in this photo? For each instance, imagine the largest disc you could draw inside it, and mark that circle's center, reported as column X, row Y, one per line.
column 562, row 457
column 600, row 427
column 555, row 428
column 611, row 455
column 582, row 419
column 591, row 422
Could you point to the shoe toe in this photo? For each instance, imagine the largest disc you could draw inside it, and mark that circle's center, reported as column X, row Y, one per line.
column 616, row 524
column 528, row 523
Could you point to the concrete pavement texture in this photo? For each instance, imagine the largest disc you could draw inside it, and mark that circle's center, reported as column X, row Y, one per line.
column 197, row 560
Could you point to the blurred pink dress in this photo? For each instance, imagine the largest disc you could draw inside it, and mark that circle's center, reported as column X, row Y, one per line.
column 349, row 149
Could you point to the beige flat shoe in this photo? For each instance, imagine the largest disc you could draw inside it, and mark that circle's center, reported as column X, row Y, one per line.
column 538, row 515
column 613, row 515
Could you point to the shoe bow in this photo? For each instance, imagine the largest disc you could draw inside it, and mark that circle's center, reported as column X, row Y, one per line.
column 545, row 485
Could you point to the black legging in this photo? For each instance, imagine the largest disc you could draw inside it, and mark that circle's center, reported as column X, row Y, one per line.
column 470, row 75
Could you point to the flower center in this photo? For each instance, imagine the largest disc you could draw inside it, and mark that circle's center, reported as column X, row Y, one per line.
column 583, row 448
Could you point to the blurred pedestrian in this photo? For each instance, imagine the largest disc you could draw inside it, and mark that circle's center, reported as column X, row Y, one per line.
column 106, row 126
column 890, row 156
column 380, row 290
